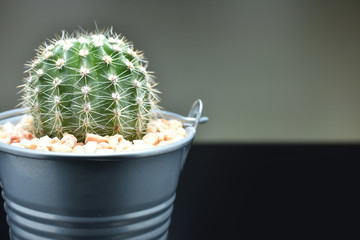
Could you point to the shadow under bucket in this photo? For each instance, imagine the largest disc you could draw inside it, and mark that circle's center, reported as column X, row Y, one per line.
column 63, row 196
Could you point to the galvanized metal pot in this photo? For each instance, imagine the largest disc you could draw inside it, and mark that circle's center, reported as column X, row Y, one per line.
column 128, row 195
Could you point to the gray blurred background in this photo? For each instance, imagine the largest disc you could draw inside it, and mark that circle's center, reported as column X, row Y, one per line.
column 266, row 70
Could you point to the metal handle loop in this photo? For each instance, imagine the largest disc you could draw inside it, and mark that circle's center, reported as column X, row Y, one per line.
column 193, row 118
column 195, row 112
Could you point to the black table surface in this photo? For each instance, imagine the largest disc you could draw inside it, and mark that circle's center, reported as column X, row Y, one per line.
column 265, row 191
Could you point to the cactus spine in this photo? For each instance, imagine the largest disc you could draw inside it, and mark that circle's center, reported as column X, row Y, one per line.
column 89, row 83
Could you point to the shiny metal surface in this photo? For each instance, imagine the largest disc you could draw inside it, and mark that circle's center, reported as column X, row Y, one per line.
column 26, row 223
column 127, row 196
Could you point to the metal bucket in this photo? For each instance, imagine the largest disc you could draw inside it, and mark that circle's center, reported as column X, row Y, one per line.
column 128, row 195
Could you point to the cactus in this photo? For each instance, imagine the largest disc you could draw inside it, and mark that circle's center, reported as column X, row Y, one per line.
column 89, row 83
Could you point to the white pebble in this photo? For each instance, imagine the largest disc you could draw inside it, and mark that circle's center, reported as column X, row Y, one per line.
column 140, row 144
column 114, row 140
column 78, row 149
column 5, row 140
column 60, row 148
column 151, row 138
column 17, row 145
column 26, row 143
column 90, row 147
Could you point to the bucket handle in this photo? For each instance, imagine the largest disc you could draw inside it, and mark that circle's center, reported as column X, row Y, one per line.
column 192, row 119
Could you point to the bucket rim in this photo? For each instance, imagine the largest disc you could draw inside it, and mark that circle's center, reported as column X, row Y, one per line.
column 48, row 155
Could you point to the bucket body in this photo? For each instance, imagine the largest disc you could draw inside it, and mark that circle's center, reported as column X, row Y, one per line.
column 63, row 196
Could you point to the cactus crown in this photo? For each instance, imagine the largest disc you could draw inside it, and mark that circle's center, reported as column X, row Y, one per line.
column 89, row 83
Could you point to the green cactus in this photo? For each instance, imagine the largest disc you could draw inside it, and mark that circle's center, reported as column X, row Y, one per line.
column 89, row 83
